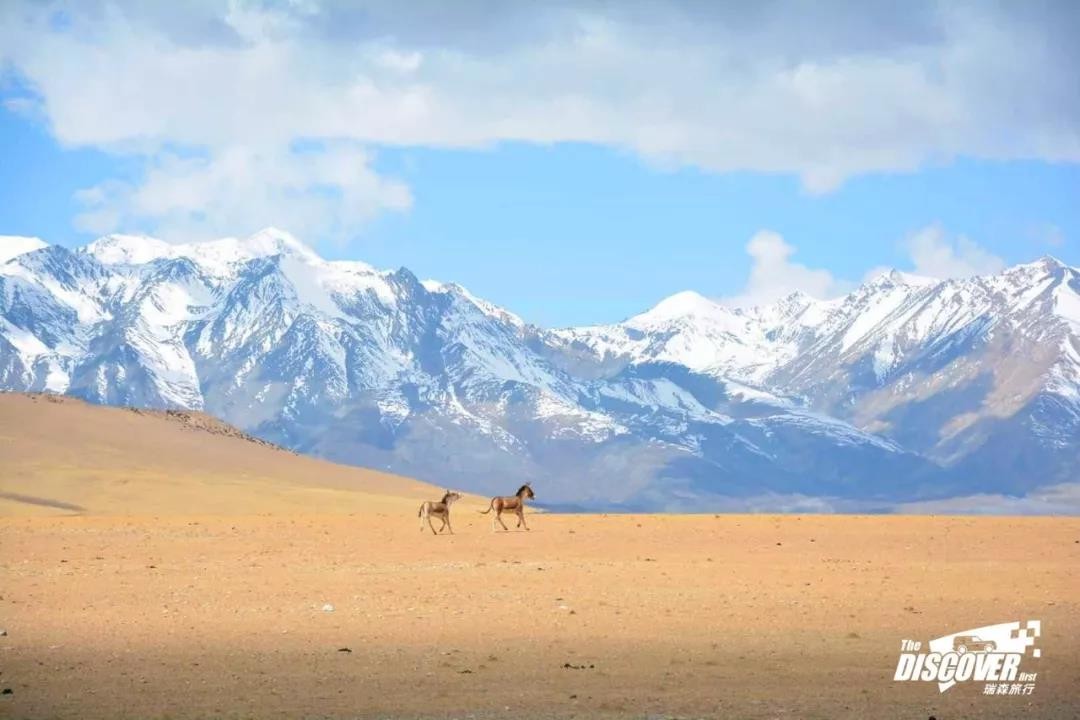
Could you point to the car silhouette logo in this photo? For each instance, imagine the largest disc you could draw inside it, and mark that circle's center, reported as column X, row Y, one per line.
column 971, row 643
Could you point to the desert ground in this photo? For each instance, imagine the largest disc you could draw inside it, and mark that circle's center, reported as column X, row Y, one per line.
column 329, row 601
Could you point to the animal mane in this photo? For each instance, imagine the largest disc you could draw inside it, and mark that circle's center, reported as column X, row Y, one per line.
column 521, row 489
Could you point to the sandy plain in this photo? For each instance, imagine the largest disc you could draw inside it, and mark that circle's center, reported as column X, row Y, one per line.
column 154, row 611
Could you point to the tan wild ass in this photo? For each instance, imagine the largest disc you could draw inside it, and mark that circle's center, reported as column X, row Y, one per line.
column 515, row 503
column 440, row 510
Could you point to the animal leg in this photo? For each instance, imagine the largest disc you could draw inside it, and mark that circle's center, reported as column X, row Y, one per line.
column 448, row 524
column 499, row 518
column 431, row 525
column 521, row 519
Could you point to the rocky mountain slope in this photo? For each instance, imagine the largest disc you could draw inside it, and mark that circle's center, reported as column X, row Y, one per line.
column 907, row 389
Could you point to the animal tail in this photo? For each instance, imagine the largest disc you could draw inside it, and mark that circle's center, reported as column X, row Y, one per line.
column 490, row 506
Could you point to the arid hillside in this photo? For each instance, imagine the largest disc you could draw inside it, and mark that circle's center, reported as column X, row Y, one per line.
column 59, row 455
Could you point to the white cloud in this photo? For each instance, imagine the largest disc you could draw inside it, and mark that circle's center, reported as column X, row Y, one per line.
column 328, row 192
column 931, row 251
column 773, row 275
column 936, row 254
column 821, row 92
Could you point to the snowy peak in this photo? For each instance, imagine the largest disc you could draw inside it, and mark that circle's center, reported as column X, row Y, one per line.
column 684, row 306
column 128, row 249
column 890, row 320
column 265, row 243
column 1067, row 300
column 218, row 257
column 875, row 394
column 487, row 308
column 12, row 246
column 1051, row 264
column 1046, row 268
column 898, row 278
column 789, row 313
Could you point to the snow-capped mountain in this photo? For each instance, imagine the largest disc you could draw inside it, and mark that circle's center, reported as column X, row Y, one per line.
column 906, row 390
column 13, row 245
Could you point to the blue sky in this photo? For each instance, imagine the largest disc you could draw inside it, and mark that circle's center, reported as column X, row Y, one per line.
column 602, row 189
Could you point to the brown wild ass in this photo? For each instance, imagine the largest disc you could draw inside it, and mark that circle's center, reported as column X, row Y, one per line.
column 440, row 510
column 515, row 503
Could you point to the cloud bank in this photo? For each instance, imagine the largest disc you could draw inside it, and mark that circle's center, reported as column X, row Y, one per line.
column 773, row 275
column 935, row 254
column 253, row 92
column 931, row 251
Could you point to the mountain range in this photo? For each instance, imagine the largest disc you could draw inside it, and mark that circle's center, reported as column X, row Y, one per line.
column 908, row 393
